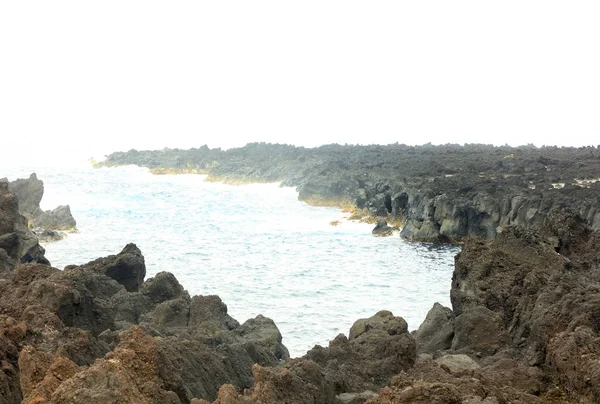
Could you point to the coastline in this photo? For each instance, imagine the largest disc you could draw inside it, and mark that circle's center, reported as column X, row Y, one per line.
column 446, row 193
column 522, row 325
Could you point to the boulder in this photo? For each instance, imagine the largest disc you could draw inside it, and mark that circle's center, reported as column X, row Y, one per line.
column 437, row 330
column 382, row 229
column 29, row 192
column 479, row 330
column 127, row 268
column 378, row 348
column 59, row 218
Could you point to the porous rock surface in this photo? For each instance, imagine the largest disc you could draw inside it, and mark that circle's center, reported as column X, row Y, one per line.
column 80, row 335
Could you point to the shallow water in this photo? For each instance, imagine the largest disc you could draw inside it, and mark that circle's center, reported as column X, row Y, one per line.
column 256, row 246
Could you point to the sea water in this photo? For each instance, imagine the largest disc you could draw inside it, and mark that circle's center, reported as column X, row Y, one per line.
column 256, row 246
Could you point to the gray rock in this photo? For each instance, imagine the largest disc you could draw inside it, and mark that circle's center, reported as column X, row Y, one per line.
column 457, row 363
column 128, row 267
column 436, row 331
column 58, row 219
column 29, row 192
column 211, row 309
column 479, row 329
column 382, row 229
column 355, row 398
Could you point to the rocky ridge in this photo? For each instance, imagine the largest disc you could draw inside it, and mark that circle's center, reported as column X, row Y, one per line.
column 438, row 193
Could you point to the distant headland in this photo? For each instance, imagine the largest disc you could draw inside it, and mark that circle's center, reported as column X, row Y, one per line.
column 444, row 193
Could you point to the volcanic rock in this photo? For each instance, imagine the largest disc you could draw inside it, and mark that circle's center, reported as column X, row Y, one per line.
column 437, row 330
column 382, row 229
column 378, row 348
column 29, row 192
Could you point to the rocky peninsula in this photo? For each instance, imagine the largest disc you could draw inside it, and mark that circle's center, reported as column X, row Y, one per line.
column 436, row 193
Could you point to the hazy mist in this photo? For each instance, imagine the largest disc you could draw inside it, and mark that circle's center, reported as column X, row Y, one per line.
column 81, row 79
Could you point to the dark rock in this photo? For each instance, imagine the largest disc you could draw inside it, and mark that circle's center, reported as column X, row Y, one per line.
column 128, row 267
column 29, row 192
column 378, row 348
column 164, row 286
column 16, row 240
column 48, row 236
column 59, row 218
column 262, row 338
column 437, row 330
column 480, row 330
column 299, row 381
column 211, row 309
column 382, row 229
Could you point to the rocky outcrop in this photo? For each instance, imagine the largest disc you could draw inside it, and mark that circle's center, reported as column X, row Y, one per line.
column 437, row 331
column 382, row 229
column 440, row 193
column 127, row 268
column 29, row 192
column 524, row 327
column 17, row 243
column 96, row 333
column 377, row 349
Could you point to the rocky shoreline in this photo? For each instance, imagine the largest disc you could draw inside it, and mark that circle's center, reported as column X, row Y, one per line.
column 436, row 193
column 523, row 327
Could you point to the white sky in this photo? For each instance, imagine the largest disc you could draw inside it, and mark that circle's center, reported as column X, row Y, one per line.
column 82, row 78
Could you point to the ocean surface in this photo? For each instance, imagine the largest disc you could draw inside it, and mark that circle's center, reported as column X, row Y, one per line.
column 256, row 246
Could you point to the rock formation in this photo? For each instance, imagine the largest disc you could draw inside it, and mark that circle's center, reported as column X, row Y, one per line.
column 50, row 224
column 382, row 229
column 96, row 333
column 440, row 193
column 17, row 243
column 524, row 324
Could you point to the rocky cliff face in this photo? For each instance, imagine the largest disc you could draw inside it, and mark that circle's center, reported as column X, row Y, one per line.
column 438, row 193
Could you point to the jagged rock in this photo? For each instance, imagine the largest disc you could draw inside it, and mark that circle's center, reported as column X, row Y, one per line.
column 378, row 348
column 59, row 218
column 128, row 267
column 6, row 262
column 47, row 236
column 576, row 357
column 29, row 192
column 300, row 381
column 18, row 242
column 163, row 286
column 211, row 309
column 261, row 336
column 437, row 330
column 382, row 229
column 479, row 329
